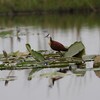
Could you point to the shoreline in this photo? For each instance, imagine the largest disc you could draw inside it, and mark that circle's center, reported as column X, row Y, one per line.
column 42, row 12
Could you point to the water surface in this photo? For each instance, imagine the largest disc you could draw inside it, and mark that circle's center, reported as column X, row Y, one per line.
column 64, row 28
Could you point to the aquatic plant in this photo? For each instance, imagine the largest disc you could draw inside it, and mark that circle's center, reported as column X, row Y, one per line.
column 72, row 60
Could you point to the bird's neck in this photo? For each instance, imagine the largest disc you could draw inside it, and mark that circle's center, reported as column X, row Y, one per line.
column 51, row 39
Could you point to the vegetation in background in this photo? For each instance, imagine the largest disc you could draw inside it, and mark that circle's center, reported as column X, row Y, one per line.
column 12, row 6
column 52, row 21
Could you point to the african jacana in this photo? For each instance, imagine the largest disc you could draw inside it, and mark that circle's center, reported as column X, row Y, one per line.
column 55, row 45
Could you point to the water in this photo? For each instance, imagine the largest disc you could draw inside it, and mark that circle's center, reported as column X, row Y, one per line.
column 66, row 29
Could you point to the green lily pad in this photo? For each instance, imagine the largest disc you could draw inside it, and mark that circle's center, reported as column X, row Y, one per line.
column 79, row 72
column 77, row 49
column 53, row 74
column 32, row 72
column 28, row 47
column 36, row 55
column 88, row 57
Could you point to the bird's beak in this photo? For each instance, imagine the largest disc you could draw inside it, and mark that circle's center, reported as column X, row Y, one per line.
column 47, row 36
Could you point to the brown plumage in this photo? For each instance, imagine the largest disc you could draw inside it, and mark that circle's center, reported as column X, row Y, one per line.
column 57, row 46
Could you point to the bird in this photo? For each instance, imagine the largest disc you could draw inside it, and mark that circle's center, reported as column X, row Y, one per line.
column 55, row 45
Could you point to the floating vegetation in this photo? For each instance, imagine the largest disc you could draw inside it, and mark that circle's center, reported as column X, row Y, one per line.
column 36, row 55
column 96, row 62
column 43, row 59
column 76, row 50
column 4, row 33
column 72, row 60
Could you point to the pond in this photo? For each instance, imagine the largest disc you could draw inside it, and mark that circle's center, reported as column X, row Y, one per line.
column 64, row 28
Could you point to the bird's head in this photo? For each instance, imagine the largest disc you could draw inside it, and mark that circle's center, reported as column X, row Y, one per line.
column 48, row 36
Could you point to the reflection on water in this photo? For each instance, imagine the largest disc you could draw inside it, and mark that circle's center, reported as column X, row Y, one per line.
column 66, row 29
column 36, row 37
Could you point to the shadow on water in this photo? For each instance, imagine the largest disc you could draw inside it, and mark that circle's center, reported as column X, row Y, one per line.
column 16, row 31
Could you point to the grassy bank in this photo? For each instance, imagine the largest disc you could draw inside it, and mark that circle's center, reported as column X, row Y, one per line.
column 15, row 6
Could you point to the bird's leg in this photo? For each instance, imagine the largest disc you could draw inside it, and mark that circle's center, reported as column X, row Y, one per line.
column 60, row 53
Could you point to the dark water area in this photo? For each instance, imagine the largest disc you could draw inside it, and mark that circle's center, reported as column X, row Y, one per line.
column 51, row 20
column 64, row 28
